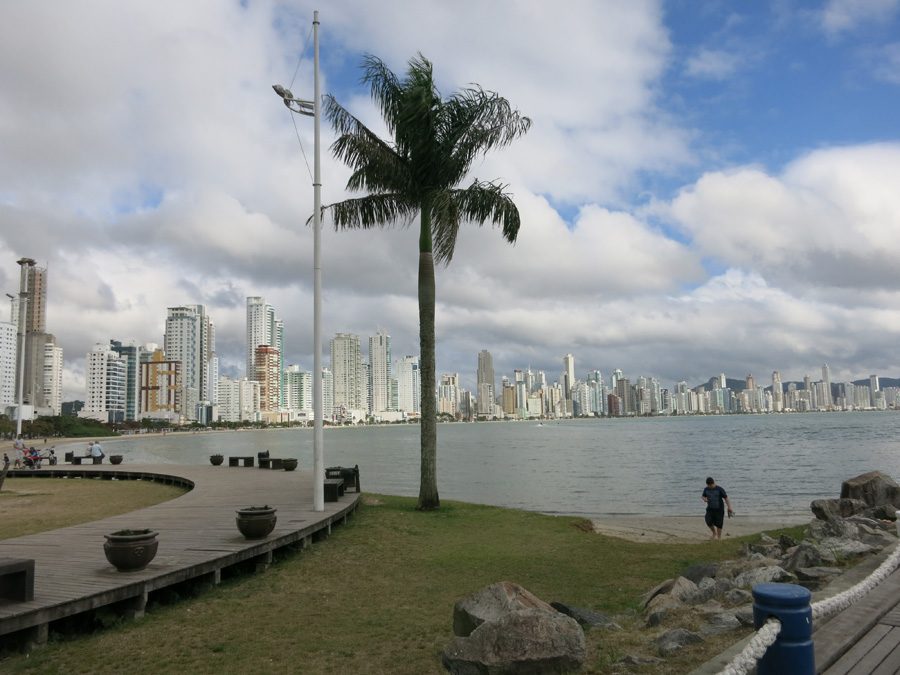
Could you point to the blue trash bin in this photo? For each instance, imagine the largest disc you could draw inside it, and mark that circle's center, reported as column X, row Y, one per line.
column 793, row 649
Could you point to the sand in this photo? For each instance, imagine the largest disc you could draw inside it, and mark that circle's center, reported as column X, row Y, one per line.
column 688, row 529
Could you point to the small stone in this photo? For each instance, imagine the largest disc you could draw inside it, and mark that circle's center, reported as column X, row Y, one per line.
column 676, row 639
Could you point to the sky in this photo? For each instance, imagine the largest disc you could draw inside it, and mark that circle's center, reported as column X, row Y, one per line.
column 706, row 187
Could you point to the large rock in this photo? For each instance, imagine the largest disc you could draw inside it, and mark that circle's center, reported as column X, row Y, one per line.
column 722, row 622
column 874, row 488
column 586, row 617
column 491, row 603
column 828, row 509
column 660, row 608
column 700, row 571
column 660, row 588
column 529, row 641
column 673, row 640
column 764, row 575
column 808, row 554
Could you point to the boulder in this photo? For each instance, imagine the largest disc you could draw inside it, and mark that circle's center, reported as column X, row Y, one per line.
column 764, row 575
column 636, row 661
column 817, row 573
column 820, row 530
column 723, row 622
column 673, row 640
column 744, row 614
column 523, row 641
column 882, row 512
column 874, row 536
column 738, row 596
column 874, row 488
column 684, row 590
column 828, row 509
column 697, row 572
column 843, row 547
column 586, row 617
column 808, row 554
column 660, row 608
column 786, row 542
column 663, row 587
column 492, row 602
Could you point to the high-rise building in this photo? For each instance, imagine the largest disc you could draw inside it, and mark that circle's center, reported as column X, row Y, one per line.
column 380, row 371
column 132, row 353
column 52, row 380
column 104, row 385
column 328, row 393
column 777, row 392
column 346, row 368
column 409, row 385
column 298, row 389
column 449, row 394
column 485, row 384
column 568, row 375
column 826, row 384
column 160, row 386
column 264, row 328
column 190, row 339
column 268, row 375
column 8, row 340
column 873, row 389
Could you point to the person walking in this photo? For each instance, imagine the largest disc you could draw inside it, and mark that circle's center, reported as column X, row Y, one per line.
column 716, row 500
column 19, row 454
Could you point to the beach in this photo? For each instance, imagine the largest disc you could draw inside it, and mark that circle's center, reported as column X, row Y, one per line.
column 687, row 529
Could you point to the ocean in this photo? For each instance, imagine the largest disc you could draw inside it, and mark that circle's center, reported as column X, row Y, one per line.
column 770, row 465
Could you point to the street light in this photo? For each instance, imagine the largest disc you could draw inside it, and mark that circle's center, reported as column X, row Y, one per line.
column 313, row 109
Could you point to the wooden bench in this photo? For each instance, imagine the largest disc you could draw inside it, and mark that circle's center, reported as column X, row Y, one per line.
column 236, row 461
column 334, row 488
column 17, row 579
column 271, row 463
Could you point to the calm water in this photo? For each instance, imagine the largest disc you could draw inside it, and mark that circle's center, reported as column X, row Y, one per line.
column 770, row 465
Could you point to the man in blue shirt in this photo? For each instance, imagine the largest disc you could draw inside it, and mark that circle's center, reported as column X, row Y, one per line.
column 716, row 501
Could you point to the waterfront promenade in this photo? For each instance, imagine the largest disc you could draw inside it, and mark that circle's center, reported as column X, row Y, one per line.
column 198, row 539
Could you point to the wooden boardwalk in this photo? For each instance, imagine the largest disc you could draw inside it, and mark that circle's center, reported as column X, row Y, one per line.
column 198, row 538
column 865, row 637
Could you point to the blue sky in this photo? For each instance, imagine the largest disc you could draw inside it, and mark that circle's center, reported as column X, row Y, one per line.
column 707, row 187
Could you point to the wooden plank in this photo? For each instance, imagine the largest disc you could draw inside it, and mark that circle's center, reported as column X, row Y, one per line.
column 862, row 652
column 891, row 662
column 838, row 635
column 197, row 537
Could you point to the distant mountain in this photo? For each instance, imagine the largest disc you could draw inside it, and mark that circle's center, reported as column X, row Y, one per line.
column 739, row 385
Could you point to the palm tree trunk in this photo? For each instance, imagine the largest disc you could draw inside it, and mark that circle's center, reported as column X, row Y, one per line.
column 428, row 492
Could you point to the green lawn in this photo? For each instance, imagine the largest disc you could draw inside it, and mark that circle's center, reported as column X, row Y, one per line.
column 377, row 597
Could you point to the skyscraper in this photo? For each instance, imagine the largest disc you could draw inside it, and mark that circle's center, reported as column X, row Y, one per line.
column 132, row 354
column 409, row 385
column 568, row 375
column 264, row 328
column 104, row 385
column 485, row 384
column 7, row 364
column 268, row 373
column 346, row 369
column 190, row 339
column 777, row 392
column 826, row 384
column 160, row 386
column 380, row 371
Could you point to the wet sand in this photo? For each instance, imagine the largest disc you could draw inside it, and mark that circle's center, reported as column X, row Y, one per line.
column 688, row 529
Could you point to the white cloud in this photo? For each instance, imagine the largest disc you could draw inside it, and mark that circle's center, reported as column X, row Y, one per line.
column 712, row 64
column 887, row 63
column 831, row 219
column 840, row 16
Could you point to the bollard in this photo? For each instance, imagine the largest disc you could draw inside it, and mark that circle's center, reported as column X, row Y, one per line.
column 793, row 649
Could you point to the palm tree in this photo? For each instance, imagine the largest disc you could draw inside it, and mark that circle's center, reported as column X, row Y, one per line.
column 434, row 143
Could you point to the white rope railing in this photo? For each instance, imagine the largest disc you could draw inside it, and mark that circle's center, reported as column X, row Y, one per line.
column 765, row 637
column 745, row 661
column 846, row 598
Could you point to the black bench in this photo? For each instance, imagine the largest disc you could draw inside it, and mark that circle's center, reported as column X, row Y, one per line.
column 349, row 474
column 271, row 463
column 17, row 579
column 87, row 460
column 334, row 488
column 236, row 461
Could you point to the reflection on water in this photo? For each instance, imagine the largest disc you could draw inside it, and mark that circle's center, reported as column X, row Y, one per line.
column 770, row 464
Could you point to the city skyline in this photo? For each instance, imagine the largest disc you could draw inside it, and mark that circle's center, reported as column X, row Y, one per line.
column 703, row 189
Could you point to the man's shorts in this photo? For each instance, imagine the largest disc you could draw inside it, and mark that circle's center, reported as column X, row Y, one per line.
column 715, row 518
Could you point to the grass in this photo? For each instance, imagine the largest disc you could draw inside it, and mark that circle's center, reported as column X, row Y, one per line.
column 377, row 597
column 32, row 505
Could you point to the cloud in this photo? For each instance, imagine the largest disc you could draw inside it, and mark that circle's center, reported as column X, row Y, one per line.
column 841, row 16
column 712, row 64
column 887, row 63
column 831, row 219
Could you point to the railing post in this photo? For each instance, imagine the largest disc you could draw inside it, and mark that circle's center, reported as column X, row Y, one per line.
column 793, row 649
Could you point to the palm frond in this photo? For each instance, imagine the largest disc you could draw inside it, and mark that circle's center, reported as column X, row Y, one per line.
column 379, row 210
column 385, row 88
column 477, row 121
column 480, row 202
